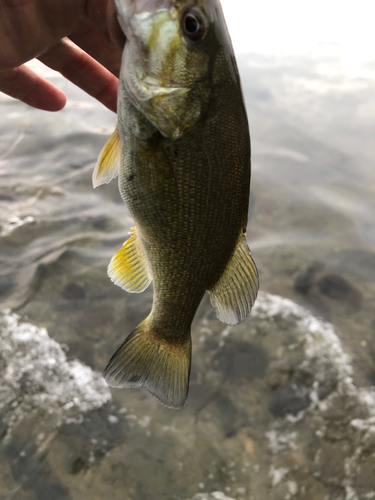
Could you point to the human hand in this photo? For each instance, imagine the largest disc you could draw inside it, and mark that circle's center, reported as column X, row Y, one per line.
column 81, row 39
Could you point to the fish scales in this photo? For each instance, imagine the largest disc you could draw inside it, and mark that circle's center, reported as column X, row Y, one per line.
column 184, row 172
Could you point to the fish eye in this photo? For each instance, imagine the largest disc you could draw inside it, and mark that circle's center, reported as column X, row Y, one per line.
column 193, row 26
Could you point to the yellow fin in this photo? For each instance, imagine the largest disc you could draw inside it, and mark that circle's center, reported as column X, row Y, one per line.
column 108, row 163
column 234, row 294
column 128, row 267
column 147, row 361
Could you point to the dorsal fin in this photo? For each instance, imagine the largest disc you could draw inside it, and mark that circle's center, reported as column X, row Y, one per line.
column 128, row 267
column 234, row 294
column 108, row 163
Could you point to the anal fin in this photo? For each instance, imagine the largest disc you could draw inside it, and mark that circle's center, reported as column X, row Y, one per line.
column 235, row 292
column 108, row 163
column 128, row 267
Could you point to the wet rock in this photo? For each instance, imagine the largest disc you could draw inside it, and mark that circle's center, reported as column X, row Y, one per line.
column 371, row 377
column 223, row 413
column 337, row 419
column 305, row 280
column 93, row 320
column 6, row 197
column 78, row 465
column 289, row 424
column 340, row 289
column 241, row 361
column 74, row 291
column 103, row 223
column 6, row 285
column 335, row 287
column 46, row 489
column 36, row 376
column 215, row 495
column 288, row 400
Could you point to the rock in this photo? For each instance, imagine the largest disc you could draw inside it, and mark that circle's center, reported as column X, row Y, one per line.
column 73, row 291
column 305, row 280
column 37, row 378
column 215, row 495
column 340, row 289
column 273, row 412
column 288, row 400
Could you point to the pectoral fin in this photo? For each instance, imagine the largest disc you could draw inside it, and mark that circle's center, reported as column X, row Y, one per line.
column 108, row 163
column 128, row 267
column 234, row 294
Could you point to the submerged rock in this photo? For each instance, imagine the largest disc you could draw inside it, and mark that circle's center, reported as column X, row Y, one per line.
column 273, row 412
column 215, row 495
column 328, row 449
column 37, row 378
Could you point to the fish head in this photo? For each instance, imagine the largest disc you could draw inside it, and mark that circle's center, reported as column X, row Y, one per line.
column 169, row 59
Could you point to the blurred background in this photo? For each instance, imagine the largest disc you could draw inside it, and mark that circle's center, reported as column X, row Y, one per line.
column 296, row 28
column 280, row 407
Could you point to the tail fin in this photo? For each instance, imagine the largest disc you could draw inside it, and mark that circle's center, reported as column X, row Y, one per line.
column 159, row 366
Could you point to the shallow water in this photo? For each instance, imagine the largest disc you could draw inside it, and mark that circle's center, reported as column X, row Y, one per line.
column 282, row 406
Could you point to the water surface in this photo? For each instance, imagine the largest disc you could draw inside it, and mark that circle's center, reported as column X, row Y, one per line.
column 280, row 407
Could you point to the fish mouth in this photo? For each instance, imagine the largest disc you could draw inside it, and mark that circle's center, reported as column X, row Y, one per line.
column 154, row 83
column 150, row 86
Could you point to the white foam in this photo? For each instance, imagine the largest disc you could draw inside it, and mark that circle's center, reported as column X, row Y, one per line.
column 35, row 375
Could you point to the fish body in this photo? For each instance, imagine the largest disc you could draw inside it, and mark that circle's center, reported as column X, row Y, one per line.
column 183, row 154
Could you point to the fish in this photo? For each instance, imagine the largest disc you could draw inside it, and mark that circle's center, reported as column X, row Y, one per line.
column 181, row 150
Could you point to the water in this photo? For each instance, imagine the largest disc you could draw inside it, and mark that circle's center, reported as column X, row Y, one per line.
column 280, row 407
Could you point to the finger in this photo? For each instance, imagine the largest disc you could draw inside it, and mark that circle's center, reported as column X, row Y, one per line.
column 91, row 41
column 28, row 27
column 82, row 70
column 25, row 85
column 116, row 35
column 103, row 14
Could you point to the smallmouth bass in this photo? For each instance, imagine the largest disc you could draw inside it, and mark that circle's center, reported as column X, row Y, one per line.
column 182, row 152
